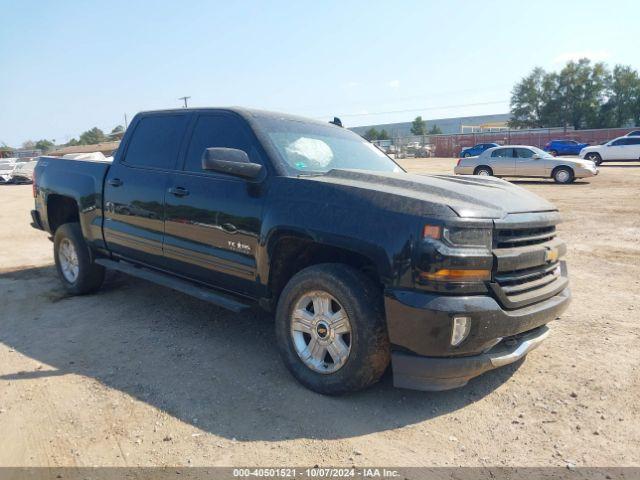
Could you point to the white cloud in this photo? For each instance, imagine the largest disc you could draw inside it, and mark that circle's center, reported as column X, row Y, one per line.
column 394, row 83
column 352, row 84
column 593, row 55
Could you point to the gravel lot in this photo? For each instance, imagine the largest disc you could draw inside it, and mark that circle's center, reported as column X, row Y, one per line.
column 141, row 375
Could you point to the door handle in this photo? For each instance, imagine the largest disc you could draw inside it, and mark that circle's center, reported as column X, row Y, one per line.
column 229, row 227
column 179, row 191
column 115, row 182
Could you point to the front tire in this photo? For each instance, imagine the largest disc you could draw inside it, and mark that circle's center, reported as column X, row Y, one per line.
column 554, row 153
column 563, row 175
column 76, row 269
column 594, row 157
column 331, row 329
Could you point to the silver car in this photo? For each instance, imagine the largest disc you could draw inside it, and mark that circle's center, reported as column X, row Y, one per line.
column 525, row 161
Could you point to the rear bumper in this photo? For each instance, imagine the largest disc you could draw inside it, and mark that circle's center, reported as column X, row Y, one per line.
column 420, row 325
column 35, row 220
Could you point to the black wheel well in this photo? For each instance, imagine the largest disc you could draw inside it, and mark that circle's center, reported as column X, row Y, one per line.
column 61, row 210
column 292, row 254
column 483, row 166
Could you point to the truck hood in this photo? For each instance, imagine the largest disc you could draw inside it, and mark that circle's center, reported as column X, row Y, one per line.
column 467, row 197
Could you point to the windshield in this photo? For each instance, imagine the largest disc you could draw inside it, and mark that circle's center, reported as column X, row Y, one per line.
column 317, row 148
column 542, row 153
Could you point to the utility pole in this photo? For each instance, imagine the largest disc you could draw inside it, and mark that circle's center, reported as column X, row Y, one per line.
column 125, row 121
column 185, row 101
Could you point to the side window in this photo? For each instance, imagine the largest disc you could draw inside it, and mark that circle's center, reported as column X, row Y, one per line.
column 633, row 141
column 620, row 142
column 501, row 153
column 156, row 141
column 218, row 131
column 524, row 153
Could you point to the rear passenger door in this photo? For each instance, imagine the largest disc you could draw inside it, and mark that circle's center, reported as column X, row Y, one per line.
column 213, row 220
column 503, row 162
column 135, row 187
column 632, row 148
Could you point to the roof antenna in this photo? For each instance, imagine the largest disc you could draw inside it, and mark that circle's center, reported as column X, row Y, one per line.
column 336, row 121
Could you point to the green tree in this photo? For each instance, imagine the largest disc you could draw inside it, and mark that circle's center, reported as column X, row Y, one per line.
column 371, row 134
column 581, row 91
column 622, row 105
column 418, row 126
column 383, row 135
column 435, row 130
column 28, row 144
column 72, row 143
column 117, row 129
column 527, row 100
column 45, row 145
column 91, row 137
column 581, row 95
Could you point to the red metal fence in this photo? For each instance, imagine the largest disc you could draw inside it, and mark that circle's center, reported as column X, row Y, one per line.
column 450, row 145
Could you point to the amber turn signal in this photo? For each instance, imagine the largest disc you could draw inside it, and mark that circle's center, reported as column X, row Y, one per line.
column 449, row 275
column 432, row 231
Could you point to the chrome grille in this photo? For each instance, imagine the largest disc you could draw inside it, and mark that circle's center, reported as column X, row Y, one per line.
column 528, row 268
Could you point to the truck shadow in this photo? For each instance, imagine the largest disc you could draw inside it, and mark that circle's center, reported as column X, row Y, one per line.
column 216, row 370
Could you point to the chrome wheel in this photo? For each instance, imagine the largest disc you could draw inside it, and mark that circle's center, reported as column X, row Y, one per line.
column 321, row 332
column 68, row 258
column 563, row 176
column 483, row 173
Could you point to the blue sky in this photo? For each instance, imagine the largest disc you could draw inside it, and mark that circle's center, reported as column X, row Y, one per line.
column 71, row 65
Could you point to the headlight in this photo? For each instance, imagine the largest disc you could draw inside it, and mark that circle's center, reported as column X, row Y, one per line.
column 467, row 237
column 460, row 236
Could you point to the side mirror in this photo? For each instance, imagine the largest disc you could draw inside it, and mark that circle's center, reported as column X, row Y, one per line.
column 230, row 161
column 536, row 156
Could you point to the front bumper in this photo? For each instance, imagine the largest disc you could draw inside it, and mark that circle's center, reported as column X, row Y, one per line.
column 420, row 324
column 585, row 172
column 432, row 373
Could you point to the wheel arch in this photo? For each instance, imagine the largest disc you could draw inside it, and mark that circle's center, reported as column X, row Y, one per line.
column 61, row 209
column 290, row 252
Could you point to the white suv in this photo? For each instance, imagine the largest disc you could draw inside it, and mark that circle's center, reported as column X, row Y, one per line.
column 618, row 149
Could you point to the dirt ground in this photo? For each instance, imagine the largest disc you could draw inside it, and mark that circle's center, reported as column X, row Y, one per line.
column 141, row 375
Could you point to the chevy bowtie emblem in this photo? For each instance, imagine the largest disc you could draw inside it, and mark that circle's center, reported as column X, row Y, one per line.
column 551, row 255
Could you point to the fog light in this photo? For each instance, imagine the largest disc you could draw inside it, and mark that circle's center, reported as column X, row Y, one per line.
column 461, row 327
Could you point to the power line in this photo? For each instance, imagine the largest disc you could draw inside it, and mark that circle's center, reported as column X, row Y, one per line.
column 366, row 114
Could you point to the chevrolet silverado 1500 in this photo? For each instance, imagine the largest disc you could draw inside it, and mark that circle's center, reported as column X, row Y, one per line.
column 362, row 263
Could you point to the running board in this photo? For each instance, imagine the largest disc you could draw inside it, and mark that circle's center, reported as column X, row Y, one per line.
column 175, row 283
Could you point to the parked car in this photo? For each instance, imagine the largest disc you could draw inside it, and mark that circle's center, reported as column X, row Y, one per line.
column 477, row 149
column 7, row 165
column 362, row 263
column 625, row 148
column 525, row 161
column 633, row 133
column 23, row 172
column 564, row 147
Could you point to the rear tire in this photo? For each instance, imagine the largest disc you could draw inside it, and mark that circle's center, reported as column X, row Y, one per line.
column 554, row 153
column 76, row 269
column 363, row 352
column 466, row 155
column 594, row 157
column 563, row 175
column 483, row 171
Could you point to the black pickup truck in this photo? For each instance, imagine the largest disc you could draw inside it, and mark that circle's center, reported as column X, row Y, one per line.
column 362, row 263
